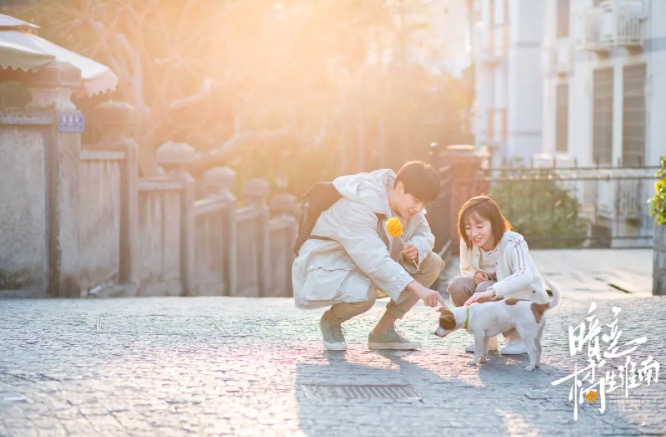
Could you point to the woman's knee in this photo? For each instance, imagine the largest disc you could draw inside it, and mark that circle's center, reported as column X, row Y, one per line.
column 460, row 289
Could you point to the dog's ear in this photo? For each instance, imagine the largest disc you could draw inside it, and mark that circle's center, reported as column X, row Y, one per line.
column 447, row 320
column 442, row 309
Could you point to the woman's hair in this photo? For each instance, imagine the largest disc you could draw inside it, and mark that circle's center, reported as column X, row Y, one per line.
column 486, row 208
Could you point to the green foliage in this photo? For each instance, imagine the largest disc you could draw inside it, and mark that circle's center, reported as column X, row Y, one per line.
column 544, row 213
column 658, row 201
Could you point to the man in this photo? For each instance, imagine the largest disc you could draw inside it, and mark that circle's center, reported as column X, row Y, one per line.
column 353, row 256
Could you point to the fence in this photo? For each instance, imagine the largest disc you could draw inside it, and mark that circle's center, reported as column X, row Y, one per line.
column 78, row 220
column 575, row 206
column 551, row 206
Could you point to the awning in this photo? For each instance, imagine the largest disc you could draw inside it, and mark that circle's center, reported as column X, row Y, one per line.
column 16, row 56
column 7, row 21
column 28, row 52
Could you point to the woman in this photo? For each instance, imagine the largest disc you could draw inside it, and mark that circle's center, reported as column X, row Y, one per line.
column 494, row 262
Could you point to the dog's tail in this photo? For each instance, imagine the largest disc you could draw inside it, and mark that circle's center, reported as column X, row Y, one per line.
column 556, row 294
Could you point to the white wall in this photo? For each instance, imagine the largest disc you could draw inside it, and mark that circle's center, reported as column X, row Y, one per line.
column 580, row 81
column 656, row 83
column 514, row 83
column 525, row 79
column 548, row 119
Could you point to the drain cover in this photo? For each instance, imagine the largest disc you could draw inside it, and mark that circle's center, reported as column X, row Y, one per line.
column 393, row 392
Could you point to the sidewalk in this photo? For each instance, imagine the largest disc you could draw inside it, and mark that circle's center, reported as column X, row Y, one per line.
column 233, row 366
column 590, row 273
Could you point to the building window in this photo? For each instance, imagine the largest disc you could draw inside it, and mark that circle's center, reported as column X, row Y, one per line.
column 562, row 118
column 633, row 116
column 563, row 18
column 602, row 146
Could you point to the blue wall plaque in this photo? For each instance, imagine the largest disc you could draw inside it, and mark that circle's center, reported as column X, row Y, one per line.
column 71, row 122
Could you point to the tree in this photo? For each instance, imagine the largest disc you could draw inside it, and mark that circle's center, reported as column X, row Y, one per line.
column 237, row 77
column 212, row 72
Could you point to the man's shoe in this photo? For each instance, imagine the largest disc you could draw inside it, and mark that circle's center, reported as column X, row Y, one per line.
column 514, row 347
column 392, row 340
column 331, row 333
column 492, row 346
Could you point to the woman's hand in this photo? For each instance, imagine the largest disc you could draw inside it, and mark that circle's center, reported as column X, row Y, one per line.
column 481, row 296
column 480, row 277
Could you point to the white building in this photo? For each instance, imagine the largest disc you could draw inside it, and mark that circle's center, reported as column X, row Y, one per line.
column 604, row 102
column 506, row 51
column 605, row 81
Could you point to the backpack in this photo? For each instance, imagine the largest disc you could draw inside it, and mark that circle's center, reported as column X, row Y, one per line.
column 320, row 197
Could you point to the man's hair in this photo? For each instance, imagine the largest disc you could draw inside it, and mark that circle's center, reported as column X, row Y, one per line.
column 486, row 208
column 420, row 180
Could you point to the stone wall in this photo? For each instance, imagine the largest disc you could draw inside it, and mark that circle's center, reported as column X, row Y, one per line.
column 78, row 221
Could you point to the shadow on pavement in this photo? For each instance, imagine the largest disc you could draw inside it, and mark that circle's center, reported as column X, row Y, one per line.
column 498, row 398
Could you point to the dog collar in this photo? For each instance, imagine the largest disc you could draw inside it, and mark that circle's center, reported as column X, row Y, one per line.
column 466, row 317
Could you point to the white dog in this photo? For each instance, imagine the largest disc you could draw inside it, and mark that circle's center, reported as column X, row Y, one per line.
column 487, row 319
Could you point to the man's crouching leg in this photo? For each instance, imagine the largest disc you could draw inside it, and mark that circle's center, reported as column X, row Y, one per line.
column 331, row 321
column 384, row 336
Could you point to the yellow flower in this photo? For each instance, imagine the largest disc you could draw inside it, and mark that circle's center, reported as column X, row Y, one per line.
column 661, row 184
column 394, row 227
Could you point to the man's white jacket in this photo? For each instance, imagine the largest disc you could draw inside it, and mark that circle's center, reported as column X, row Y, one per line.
column 358, row 259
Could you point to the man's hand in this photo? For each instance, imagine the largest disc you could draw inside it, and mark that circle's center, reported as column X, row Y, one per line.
column 480, row 277
column 481, row 296
column 410, row 252
column 428, row 296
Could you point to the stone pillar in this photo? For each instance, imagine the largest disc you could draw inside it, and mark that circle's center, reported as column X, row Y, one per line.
column 282, row 207
column 659, row 261
column 464, row 166
column 53, row 86
column 283, row 204
column 176, row 158
column 51, row 89
column 255, row 192
column 117, row 121
column 218, row 183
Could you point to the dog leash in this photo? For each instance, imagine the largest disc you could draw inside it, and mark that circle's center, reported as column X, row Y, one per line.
column 467, row 317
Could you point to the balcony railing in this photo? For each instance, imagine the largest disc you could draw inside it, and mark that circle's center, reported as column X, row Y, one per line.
column 614, row 23
column 622, row 24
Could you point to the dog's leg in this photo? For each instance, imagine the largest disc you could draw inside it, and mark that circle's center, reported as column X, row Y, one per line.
column 529, row 338
column 528, row 335
column 484, row 352
column 532, row 352
column 537, row 341
column 478, row 349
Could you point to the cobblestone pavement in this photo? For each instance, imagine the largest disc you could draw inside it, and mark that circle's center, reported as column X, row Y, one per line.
column 233, row 366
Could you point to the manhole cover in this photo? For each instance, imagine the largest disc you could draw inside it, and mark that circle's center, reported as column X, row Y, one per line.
column 393, row 392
